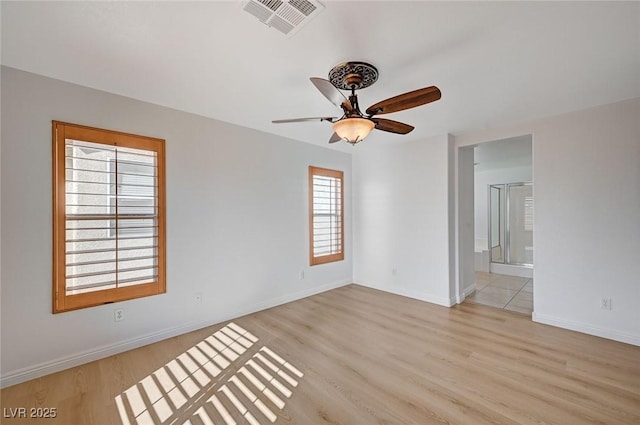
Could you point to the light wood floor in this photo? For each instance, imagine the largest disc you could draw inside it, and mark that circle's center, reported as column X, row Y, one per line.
column 353, row 356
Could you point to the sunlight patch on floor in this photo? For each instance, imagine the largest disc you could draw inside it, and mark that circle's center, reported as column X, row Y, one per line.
column 196, row 384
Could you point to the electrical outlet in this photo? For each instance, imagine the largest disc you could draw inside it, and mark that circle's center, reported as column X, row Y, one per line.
column 301, row 274
column 394, row 272
column 605, row 303
column 198, row 297
column 118, row 315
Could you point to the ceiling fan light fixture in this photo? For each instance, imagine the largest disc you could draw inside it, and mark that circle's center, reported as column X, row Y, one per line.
column 353, row 130
column 354, row 126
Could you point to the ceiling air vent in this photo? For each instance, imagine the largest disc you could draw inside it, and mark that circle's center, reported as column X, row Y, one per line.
column 287, row 16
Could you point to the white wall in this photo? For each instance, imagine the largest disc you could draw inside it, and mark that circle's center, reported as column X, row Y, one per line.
column 230, row 240
column 465, row 279
column 401, row 218
column 481, row 192
column 237, row 226
column 587, row 207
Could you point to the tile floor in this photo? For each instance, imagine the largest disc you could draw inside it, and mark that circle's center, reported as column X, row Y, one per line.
column 502, row 291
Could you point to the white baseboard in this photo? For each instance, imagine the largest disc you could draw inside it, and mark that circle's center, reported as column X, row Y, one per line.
column 587, row 329
column 470, row 290
column 410, row 293
column 466, row 292
column 77, row 359
column 511, row 270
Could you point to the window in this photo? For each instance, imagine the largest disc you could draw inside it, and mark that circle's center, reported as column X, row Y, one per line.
column 326, row 222
column 108, row 216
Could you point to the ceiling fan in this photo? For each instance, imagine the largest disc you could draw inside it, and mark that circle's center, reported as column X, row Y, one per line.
column 353, row 126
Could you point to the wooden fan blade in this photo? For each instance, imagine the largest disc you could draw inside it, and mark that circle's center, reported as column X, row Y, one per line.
column 330, row 91
column 330, row 119
column 405, row 101
column 334, row 138
column 392, row 126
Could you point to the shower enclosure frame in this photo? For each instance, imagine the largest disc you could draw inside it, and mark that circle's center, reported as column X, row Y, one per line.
column 506, row 256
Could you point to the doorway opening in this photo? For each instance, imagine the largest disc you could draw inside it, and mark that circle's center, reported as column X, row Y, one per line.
column 502, row 210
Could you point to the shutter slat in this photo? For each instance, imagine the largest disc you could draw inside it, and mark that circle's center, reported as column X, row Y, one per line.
column 109, row 239
column 120, row 270
column 90, row 263
column 92, row 251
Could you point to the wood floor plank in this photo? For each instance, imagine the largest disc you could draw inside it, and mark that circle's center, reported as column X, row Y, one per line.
column 366, row 357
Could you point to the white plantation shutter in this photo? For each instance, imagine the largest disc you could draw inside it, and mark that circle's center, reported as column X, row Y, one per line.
column 111, row 216
column 327, row 210
column 528, row 213
column 109, row 228
column 326, row 215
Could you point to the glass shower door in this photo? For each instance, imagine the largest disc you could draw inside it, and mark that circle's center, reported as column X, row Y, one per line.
column 511, row 223
column 497, row 217
column 520, row 223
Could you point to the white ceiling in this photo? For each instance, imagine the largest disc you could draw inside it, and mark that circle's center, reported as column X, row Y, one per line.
column 495, row 63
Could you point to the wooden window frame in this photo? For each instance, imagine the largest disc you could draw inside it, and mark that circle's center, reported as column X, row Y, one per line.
column 339, row 256
column 61, row 301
